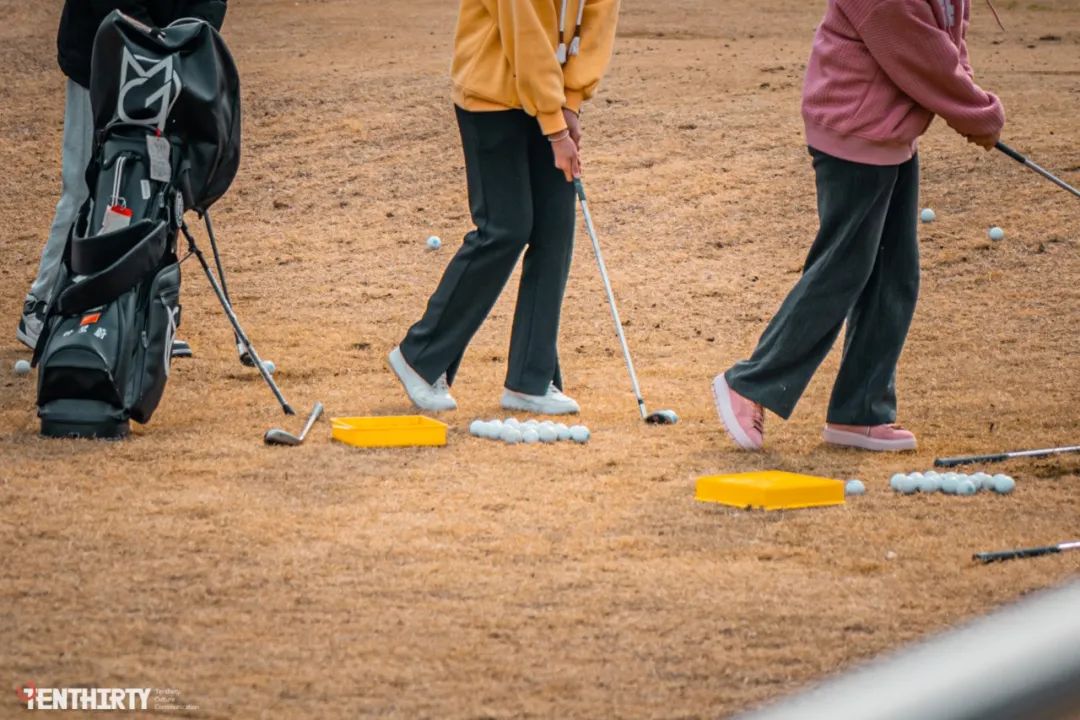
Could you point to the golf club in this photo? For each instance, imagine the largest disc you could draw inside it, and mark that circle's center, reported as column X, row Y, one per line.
column 999, row 457
column 661, row 417
column 1029, row 164
column 989, row 557
column 277, row 436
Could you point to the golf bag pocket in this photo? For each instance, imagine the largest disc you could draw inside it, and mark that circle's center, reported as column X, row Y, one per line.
column 80, row 382
column 153, row 347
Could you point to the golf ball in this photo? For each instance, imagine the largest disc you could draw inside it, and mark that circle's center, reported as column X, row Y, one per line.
column 22, row 367
column 562, row 430
column 512, row 422
column 930, row 483
column 434, row 243
column 965, row 487
column 907, row 485
column 996, row 233
column 478, row 428
column 1004, row 484
column 949, row 483
column 928, row 215
column 547, row 434
column 579, row 434
column 510, row 435
column 530, row 436
column 492, row 429
column 531, row 424
column 269, row 366
column 982, row 481
column 895, row 480
column 854, row 487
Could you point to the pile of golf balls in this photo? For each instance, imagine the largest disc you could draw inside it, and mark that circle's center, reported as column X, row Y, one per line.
column 951, row 483
column 513, row 431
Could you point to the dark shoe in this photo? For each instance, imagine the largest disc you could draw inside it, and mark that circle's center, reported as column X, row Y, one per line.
column 32, row 321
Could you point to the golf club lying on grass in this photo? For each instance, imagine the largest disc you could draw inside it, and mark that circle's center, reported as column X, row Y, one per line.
column 1029, row 164
column 277, row 436
column 999, row 457
column 989, row 557
column 660, row 417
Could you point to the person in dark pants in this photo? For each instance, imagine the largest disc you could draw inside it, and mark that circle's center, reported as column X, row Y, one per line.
column 877, row 75
column 79, row 23
column 521, row 70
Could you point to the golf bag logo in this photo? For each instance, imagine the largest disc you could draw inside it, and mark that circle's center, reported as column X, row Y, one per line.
column 147, row 84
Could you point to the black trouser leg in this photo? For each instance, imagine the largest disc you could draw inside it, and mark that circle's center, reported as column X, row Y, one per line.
column 865, row 388
column 533, row 361
column 853, row 203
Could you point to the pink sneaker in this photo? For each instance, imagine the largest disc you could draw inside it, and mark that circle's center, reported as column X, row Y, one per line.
column 890, row 437
column 743, row 419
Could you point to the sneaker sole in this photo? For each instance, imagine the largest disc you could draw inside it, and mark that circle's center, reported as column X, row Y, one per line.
column 722, row 398
column 405, row 387
column 842, row 438
column 513, row 403
column 21, row 336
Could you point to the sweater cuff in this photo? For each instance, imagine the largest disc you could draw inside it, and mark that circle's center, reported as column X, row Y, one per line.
column 551, row 123
column 574, row 100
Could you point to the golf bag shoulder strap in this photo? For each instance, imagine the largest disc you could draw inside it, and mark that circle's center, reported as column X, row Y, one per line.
column 111, row 282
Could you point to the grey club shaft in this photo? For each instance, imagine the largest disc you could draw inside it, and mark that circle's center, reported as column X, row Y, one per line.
column 315, row 413
column 1031, row 165
column 610, row 296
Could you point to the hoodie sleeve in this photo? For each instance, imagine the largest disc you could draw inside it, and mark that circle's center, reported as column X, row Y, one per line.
column 965, row 59
column 523, row 29
column 584, row 70
column 131, row 8
column 904, row 38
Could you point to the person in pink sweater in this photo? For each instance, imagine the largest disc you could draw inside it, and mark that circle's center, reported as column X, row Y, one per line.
column 879, row 72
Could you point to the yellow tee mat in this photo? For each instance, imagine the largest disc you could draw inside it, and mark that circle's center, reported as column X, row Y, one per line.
column 401, row 431
column 770, row 490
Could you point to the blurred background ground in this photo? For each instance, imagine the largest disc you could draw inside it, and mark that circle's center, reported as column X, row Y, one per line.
column 488, row 581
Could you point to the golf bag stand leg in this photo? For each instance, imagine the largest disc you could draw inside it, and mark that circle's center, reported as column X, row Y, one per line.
column 245, row 357
column 241, row 336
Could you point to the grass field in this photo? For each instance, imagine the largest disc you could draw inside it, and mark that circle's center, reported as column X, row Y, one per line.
column 485, row 581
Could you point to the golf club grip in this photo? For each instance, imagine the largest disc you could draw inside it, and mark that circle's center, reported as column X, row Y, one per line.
column 989, row 557
column 1010, row 152
column 970, row 460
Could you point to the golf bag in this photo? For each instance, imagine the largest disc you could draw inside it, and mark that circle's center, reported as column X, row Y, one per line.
column 166, row 113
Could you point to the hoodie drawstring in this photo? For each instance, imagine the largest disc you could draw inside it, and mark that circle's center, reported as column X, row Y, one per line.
column 563, row 53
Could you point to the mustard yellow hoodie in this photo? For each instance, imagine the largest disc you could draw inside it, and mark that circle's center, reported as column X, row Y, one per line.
column 506, row 55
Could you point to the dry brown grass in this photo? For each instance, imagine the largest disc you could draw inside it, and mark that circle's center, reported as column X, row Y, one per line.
column 486, row 581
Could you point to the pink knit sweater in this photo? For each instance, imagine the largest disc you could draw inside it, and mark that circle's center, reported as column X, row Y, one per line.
column 879, row 72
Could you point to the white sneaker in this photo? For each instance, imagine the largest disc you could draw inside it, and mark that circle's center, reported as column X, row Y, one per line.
column 433, row 398
column 553, row 402
column 32, row 322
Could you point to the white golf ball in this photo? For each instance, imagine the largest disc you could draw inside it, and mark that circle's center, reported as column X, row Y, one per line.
column 492, row 429
column 895, row 480
column 982, row 481
column 996, row 233
column 965, row 487
column 269, row 366
column 22, row 367
column 1003, row 484
column 932, row 474
column 434, row 243
column 512, row 422
column 928, row 215
column 547, row 434
column 907, row 485
column 929, row 483
column 478, row 428
column 915, row 477
column 510, row 435
column 531, row 424
column 854, row 487
column 563, row 431
column 580, row 434
column 949, row 483
column 530, row 436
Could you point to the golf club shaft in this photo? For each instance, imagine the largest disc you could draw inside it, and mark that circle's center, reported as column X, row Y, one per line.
column 315, row 413
column 999, row 457
column 1033, row 166
column 239, row 331
column 580, row 188
column 989, row 557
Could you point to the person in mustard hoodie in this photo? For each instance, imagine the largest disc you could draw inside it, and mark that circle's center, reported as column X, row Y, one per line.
column 521, row 71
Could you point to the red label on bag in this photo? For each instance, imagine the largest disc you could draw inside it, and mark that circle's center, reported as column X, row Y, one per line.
column 90, row 319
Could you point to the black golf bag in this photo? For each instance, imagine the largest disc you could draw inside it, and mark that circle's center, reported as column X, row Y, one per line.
column 166, row 109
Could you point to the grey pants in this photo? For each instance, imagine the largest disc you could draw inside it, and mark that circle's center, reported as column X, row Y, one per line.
column 519, row 202
column 78, row 146
column 863, row 268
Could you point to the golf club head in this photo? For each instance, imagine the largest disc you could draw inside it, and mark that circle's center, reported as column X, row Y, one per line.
column 276, row 436
column 662, row 417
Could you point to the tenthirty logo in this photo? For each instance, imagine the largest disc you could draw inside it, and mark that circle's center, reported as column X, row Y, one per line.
column 137, row 80
column 111, row 699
